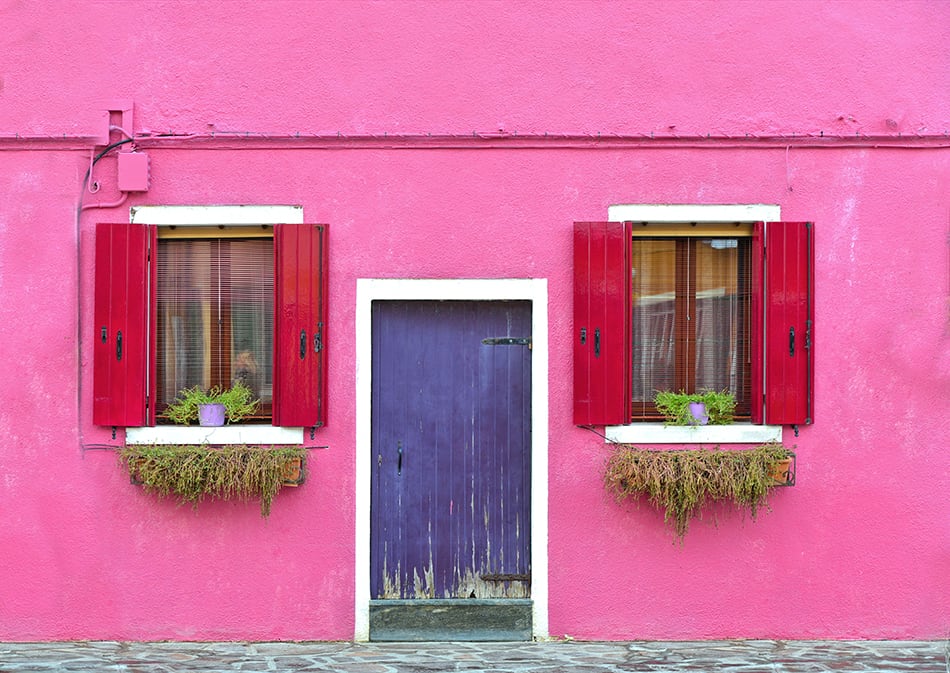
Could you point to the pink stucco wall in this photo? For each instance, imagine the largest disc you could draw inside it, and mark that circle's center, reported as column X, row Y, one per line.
column 860, row 547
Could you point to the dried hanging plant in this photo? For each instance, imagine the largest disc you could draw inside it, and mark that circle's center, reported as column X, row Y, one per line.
column 681, row 482
column 193, row 473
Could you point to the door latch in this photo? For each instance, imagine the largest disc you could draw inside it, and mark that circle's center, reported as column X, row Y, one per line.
column 507, row 341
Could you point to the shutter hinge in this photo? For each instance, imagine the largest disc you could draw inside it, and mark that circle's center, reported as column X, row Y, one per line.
column 506, row 577
column 313, row 428
column 318, row 338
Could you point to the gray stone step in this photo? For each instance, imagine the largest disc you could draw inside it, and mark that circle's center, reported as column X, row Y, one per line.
column 464, row 619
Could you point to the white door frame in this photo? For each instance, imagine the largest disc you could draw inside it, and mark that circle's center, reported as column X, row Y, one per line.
column 534, row 290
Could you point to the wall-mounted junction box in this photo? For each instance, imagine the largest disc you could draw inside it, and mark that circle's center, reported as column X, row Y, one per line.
column 134, row 172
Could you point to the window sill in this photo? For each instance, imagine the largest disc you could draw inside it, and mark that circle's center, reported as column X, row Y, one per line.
column 658, row 433
column 228, row 434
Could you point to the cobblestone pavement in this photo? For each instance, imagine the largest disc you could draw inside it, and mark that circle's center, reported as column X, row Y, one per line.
column 749, row 656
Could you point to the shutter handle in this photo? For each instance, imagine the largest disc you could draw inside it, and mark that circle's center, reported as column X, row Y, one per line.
column 303, row 343
column 597, row 342
column 791, row 341
column 118, row 345
column 318, row 338
column 583, row 335
column 399, row 465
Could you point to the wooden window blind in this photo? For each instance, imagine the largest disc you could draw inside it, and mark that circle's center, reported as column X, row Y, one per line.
column 690, row 316
column 215, row 316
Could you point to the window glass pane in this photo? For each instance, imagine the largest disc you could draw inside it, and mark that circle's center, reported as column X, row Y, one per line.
column 184, row 316
column 653, row 271
column 690, row 311
column 252, row 316
column 215, row 315
column 717, row 314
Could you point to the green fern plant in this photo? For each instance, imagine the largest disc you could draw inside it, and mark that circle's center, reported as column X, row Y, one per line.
column 720, row 406
column 238, row 401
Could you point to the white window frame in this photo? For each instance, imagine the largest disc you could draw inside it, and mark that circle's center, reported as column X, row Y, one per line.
column 660, row 433
column 196, row 216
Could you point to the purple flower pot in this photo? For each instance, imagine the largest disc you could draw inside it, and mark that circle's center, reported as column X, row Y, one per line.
column 698, row 410
column 211, row 415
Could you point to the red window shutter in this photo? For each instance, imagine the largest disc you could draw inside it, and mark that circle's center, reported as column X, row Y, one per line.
column 300, row 318
column 121, row 361
column 601, row 323
column 783, row 353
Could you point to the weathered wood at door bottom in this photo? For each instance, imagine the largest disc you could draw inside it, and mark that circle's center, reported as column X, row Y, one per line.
column 467, row 585
column 450, row 620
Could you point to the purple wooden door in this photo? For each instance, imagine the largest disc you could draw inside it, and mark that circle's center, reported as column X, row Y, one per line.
column 451, row 449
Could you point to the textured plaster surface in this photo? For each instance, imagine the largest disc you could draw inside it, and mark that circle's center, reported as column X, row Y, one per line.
column 859, row 548
column 374, row 67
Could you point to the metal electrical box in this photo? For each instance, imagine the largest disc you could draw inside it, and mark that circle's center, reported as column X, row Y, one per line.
column 133, row 172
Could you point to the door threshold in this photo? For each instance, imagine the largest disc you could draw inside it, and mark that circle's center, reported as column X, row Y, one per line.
column 451, row 619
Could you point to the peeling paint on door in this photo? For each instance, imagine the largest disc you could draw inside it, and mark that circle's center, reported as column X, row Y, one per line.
column 467, row 585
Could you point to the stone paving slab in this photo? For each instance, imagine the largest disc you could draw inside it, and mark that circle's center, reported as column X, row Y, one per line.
column 742, row 656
